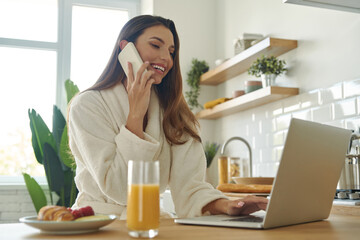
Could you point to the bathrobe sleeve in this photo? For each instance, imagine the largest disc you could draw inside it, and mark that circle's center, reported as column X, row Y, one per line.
column 189, row 190
column 102, row 147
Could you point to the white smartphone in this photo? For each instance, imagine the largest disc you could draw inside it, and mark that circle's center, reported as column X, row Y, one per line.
column 130, row 54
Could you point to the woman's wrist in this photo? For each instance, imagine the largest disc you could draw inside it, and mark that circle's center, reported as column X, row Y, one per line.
column 135, row 125
column 218, row 206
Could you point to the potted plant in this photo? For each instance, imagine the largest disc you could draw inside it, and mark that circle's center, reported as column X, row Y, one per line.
column 193, row 80
column 268, row 68
column 52, row 151
column 210, row 152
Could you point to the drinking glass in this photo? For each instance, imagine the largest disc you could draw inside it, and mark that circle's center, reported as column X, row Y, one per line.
column 143, row 202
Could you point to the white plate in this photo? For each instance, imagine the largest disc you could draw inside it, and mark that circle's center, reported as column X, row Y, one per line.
column 66, row 227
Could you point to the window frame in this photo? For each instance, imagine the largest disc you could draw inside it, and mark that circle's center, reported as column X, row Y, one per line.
column 63, row 49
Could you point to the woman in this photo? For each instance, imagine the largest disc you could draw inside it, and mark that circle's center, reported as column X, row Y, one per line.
column 143, row 117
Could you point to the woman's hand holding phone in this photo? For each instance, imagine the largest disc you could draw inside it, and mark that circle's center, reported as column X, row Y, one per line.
column 139, row 90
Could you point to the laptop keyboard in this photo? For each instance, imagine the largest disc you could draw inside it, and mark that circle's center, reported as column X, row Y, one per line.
column 245, row 219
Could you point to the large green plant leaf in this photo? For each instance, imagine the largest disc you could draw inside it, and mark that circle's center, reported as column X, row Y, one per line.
column 70, row 188
column 40, row 135
column 58, row 124
column 36, row 192
column 65, row 153
column 53, row 169
column 71, row 89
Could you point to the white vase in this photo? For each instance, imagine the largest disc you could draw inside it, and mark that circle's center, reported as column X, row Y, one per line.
column 268, row 80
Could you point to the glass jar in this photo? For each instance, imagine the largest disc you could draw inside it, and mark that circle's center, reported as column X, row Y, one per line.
column 238, row 167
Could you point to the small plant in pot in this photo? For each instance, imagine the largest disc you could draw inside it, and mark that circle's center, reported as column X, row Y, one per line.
column 268, row 68
column 210, row 150
column 193, row 81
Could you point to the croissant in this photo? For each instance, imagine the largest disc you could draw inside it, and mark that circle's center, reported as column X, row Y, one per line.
column 55, row 213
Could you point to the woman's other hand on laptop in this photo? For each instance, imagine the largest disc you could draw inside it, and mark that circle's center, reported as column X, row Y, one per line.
column 244, row 206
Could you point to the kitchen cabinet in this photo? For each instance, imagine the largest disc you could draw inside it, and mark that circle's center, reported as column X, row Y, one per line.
column 240, row 64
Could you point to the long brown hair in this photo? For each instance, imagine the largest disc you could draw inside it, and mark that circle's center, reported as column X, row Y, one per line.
column 178, row 119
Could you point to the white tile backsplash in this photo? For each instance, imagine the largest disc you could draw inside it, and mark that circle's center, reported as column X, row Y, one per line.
column 304, row 115
column 292, row 104
column 338, row 123
column 331, row 94
column 310, row 99
column 337, row 105
column 323, row 113
column 278, row 138
column 352, row 88
column 344, row 109
column 283, row 122
column 353, row 123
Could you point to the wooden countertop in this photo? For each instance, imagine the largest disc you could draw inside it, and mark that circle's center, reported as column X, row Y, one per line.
column 336, row 227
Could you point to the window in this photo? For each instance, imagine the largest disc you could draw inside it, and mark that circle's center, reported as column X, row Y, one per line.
column 43, row 43
column 94, row 31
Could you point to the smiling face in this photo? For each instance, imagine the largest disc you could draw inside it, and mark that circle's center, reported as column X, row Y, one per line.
column 156, row 45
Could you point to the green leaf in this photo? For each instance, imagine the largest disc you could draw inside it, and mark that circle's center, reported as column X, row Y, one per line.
column 58, row 124
column 210, row 152
column 74, row 191
column 65, row 153
column 71, row 90
column 70, row 188
column 267, row 65
column 40, row 135
column 193, row 80
column 53, row 169
column 36, row 192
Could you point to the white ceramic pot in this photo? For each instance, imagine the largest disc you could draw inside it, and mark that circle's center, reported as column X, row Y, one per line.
column 268, row 80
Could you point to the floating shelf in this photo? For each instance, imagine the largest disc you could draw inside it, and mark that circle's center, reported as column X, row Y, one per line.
column 242, row 61
column 254, row 99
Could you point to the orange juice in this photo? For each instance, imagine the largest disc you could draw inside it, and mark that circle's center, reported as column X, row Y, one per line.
column 143, row 210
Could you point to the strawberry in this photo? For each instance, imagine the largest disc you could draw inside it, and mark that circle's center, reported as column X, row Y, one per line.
column 82, row 212
column 87, row 211
column 77, row 213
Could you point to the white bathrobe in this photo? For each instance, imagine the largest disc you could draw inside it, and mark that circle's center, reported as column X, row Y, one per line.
column 102, row 147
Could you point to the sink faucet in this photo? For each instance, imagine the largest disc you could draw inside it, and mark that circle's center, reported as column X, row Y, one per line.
column 246, row 143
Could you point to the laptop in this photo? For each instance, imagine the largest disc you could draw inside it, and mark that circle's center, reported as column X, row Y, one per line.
column 305, row 183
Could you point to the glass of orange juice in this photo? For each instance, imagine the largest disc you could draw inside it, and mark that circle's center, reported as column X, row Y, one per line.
column 143, row 201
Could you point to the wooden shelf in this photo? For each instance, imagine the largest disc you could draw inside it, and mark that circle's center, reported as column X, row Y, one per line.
column 242, row 61
column 257, row 98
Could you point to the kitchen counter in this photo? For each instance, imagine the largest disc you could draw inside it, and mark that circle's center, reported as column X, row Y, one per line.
column 336, row 209
column 336, row 227
column 345, row 210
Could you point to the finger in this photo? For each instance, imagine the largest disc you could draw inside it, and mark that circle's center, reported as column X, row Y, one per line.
column 146, row 77
column 262, row 206
column 141, row 70
column 130, row 74
column 256, row 199
column 149, row 83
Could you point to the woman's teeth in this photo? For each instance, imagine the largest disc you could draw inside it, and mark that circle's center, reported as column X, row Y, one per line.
column 159, row 67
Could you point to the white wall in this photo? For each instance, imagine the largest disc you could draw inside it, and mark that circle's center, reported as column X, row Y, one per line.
column 328, row 40
column 327, row 54
column 196, row 26
column 326, row 58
